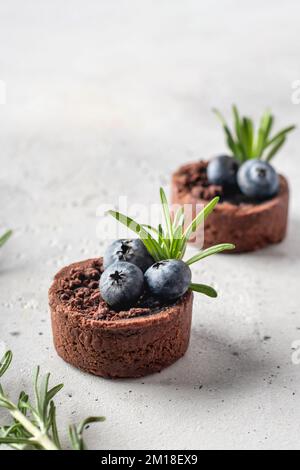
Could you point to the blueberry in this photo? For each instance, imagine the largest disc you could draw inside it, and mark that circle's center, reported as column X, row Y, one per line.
column 222, row 171
column 121, row 284
column 133, row 251
column 258, row 179
column 168, row 279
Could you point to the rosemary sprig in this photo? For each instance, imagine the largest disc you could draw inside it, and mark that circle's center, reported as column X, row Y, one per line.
column 5, row 237
column 245, row 143
column 171, row 242
column 34, row 426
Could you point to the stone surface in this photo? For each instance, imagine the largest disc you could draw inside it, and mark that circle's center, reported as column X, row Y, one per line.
column 106, row 99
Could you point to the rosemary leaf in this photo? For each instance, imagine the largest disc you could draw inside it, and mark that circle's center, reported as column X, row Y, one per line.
column 277, row 145
column 210, row 251
column 167, row 214
column 34, row 426
column 279, row 135
column 149, row 242
column 248, row 143
column 204, row 289
column 5, row 237
column 199, row 219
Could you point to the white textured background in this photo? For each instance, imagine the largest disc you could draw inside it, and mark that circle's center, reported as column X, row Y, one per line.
column 107, row 98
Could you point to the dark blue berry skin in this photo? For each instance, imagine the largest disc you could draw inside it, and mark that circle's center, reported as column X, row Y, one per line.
column 132, row 251
column 222, row 171
column 121, row 285
column 258, row 179
column 168, row 279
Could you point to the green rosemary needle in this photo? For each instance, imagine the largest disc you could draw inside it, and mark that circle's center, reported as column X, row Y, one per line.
column 34, row 426
column 5, row 237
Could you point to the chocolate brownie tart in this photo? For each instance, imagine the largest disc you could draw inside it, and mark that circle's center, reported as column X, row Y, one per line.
column 91, row 336
column 249, row 224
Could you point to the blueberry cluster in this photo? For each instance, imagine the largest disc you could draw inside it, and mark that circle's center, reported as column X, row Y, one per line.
column 129, row 270
column 254, row 178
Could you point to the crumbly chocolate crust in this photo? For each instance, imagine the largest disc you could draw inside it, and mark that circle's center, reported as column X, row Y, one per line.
column 78, row 289
column 192, row 178
column 133, row 343
column 249, row 224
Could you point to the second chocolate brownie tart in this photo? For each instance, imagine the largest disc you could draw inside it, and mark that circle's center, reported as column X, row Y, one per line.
column 91, row 336
column 249, row 224
column 254, row 197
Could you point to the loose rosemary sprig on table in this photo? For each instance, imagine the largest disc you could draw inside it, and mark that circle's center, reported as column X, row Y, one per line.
column 245, row 143
column 34, row 426
column 5, row 237
column 171, row 242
